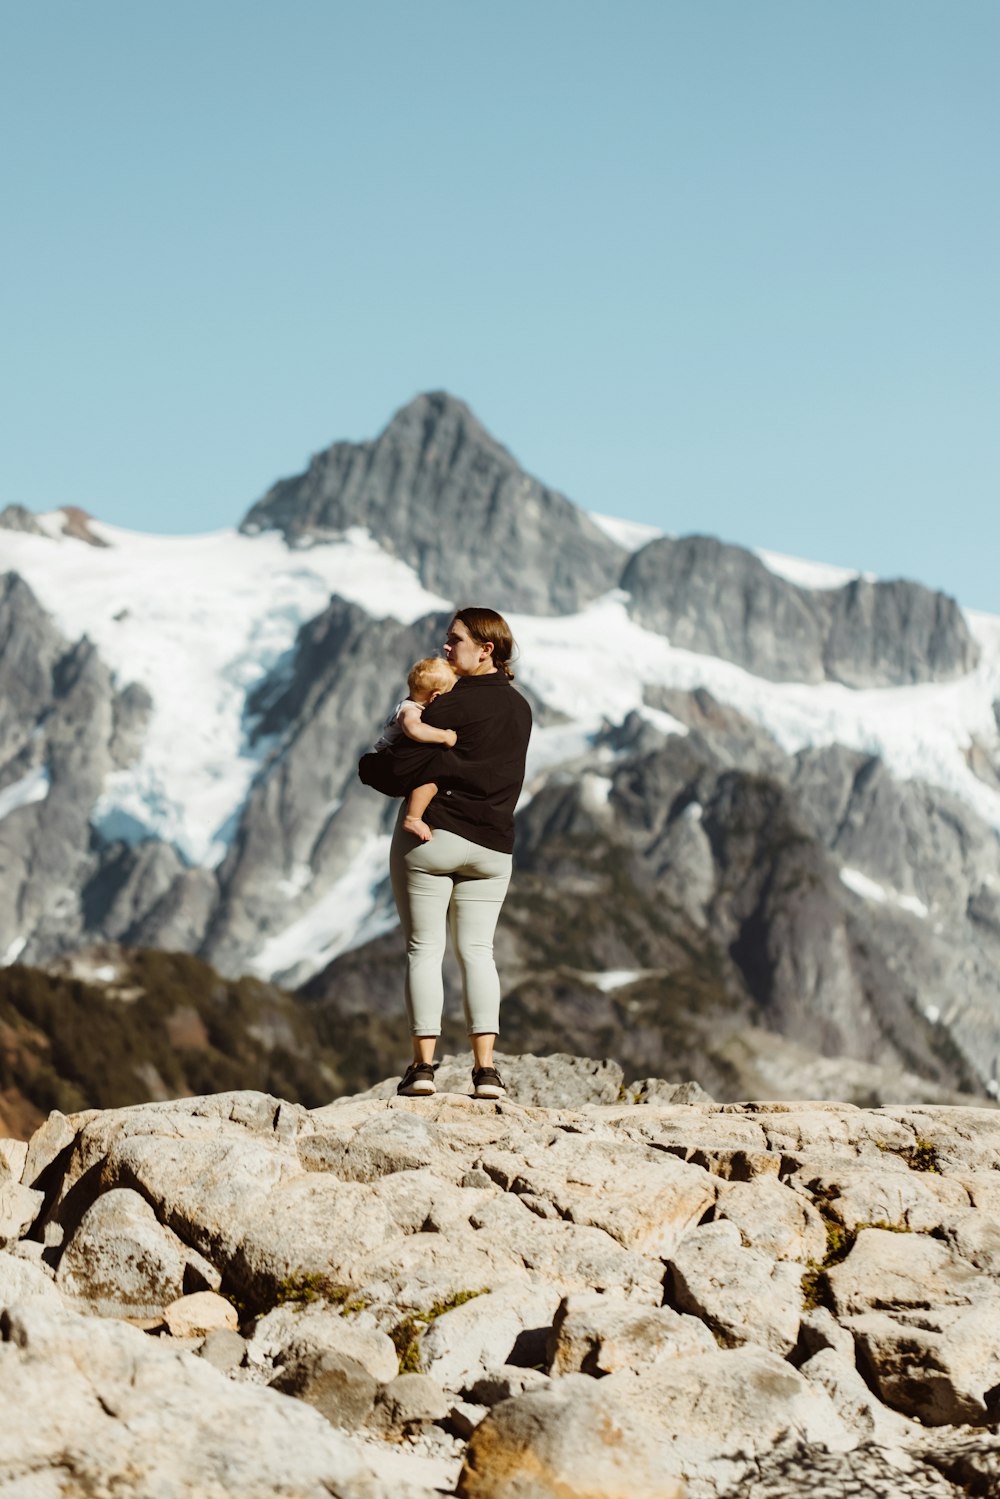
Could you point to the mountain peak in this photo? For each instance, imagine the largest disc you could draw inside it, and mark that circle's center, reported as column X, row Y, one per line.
column 436, row 489
column 20, row 518
column 433, row 405
column 70, row 521
column 436, row 416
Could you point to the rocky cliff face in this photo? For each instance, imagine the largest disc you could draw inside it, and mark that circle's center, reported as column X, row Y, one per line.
column 721, row 600
column 308, row 815
column 568, row 1292
column 445, row 496
column 65, row 728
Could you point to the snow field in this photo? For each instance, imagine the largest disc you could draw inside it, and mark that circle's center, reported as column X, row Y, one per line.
column 34, row 787
column 199, row 621
column 349, row 913
column 594, row 665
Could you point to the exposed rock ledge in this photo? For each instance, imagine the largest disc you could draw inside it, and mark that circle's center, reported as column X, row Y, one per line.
column 586, row 1296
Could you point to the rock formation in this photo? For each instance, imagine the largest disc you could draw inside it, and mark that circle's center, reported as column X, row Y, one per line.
column 19, row 518
column 721, row 600
column 564, row 1292
column 436, row 475
column 308, row 810
column 65, row 728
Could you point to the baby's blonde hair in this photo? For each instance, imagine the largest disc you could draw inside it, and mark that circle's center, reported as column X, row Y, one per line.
column 432, row 674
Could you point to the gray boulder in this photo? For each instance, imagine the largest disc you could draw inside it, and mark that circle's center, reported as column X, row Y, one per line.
column 13, row 1154
column 575, row 1436
column 601, row 1335
column 98, row 1407
column 645, row 1200
column 48, row 1142
column 970, row 1461
column 22, row 1281
column 224, row 1349
column 293, row 1333
column 926, row 1324
column 905, row 1272
column 886, row 1192
column 703, row 1421
column 509, row 1324
column 506, row 1383
column 121, row 1262
column 743, row 1295
column 333, row 1383
column 820, row 1332
column 940, row 1365
column 854, row 1402
column 409, row 1402
column 19, row 1207
column 782, row 1223
column 656, row 1090
column 379, row 1146
column 199, row 1314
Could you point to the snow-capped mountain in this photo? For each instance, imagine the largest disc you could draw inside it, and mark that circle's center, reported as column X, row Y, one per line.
column 182, row 719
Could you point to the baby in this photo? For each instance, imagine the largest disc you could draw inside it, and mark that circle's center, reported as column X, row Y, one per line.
column 426, row 681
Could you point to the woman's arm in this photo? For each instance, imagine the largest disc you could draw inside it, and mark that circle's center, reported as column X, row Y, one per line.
column 411, row 722
column 397, row 771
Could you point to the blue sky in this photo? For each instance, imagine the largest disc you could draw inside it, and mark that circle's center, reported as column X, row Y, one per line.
column 727, row 266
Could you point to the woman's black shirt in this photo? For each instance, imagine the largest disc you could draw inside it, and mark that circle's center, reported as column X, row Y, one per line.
column 479, row 781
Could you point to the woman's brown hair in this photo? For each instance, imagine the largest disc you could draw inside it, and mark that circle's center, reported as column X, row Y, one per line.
column 489, row 628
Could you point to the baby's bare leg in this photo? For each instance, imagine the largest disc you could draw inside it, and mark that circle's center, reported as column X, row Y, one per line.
column 417, row 803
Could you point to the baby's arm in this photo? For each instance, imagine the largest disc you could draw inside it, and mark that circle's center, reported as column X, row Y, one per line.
column 413, row 726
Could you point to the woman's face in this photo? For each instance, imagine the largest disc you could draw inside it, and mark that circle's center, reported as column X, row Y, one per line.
column 469, row 657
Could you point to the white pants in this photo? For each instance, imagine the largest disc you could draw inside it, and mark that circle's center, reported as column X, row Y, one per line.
column 448, row 881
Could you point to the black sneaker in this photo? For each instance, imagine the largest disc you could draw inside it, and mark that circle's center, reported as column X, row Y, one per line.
column 487, row 1083
column 418, row 1080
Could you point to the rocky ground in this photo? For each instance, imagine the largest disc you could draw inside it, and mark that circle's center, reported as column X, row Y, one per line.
column 579, row 1291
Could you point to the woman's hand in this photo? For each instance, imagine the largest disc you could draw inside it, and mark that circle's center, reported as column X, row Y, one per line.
column 450, row 738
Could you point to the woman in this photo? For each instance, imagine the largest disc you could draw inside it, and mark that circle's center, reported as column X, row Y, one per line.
column 459, row 877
